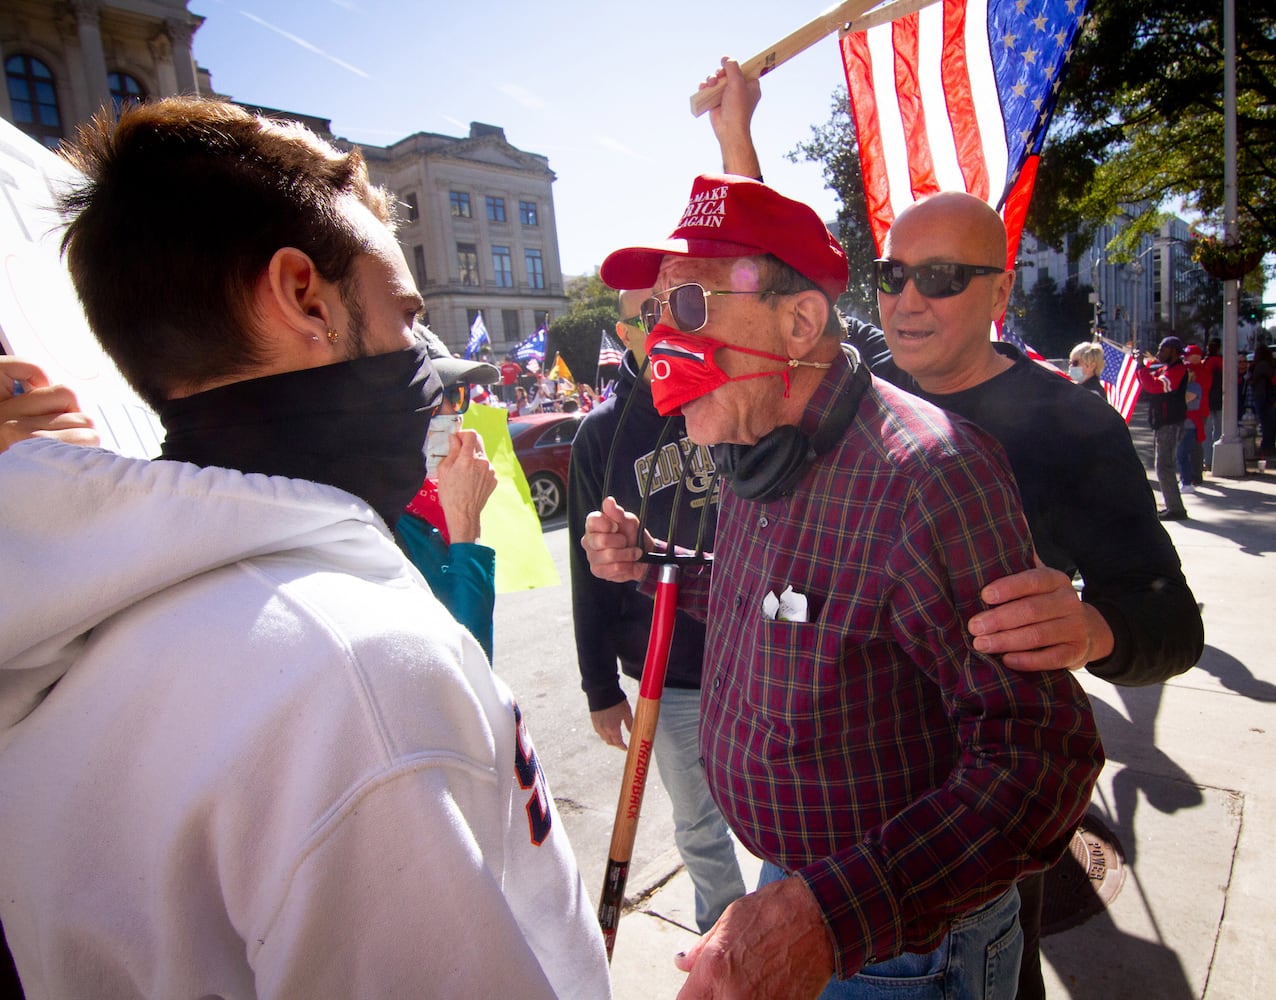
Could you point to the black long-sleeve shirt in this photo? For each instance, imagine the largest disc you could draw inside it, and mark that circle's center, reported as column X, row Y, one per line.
column 1088, row 503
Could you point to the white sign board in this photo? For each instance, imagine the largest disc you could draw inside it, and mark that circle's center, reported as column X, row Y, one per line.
column 41, row 320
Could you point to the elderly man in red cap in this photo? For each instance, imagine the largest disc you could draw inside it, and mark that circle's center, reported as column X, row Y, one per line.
column 895, row 781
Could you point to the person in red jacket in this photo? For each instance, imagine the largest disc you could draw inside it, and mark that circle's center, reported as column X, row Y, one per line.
column 1165, row 383
column 1191, row 454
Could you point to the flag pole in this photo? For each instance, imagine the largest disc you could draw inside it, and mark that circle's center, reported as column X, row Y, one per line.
column 802, row 39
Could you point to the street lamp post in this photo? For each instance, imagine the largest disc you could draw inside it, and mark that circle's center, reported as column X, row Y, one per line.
column 1136, row 307
column 1229, row 454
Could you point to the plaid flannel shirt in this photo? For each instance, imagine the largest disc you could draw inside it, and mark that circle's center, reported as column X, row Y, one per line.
column 905, row 777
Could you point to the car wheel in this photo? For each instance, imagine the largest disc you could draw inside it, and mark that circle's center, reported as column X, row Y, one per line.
column 547, row 494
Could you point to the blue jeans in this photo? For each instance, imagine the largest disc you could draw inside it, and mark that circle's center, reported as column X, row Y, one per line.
column 1213, row 431
column 977, row 960
column 703, row 838
column 1189, row 455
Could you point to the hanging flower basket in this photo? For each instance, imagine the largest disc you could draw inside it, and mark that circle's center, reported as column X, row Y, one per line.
column 1226, row 261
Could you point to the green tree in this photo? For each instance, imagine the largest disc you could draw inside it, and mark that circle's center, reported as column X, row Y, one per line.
column 589, row 292
column 833, row 146
column 1140, row 122
column 592, row 308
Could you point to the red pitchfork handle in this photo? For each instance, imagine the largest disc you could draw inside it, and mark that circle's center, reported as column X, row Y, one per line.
column 638, row 760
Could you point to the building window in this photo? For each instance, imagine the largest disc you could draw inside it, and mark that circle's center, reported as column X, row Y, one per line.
column 541, row 318
column 495, row 209
column 502, row 267
column 535, row 269
column 509, row 322
column 467, row 263
column 412, row 206
column 34, row 99
column 418, row 260
column 527, row 213
column 124, row 90
column 460, row 204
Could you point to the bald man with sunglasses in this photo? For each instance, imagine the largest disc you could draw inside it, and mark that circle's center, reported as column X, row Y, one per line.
column 941, row 283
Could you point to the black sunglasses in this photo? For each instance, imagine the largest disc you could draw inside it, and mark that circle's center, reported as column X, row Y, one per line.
column 935, row 281
column 688, row 305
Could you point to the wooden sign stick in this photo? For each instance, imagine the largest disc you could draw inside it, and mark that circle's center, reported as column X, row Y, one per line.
column 790, row 45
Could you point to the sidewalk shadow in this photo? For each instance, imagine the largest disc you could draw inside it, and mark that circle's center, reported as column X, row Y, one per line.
column 1248, row 517
column 1096, row 958
column 1235, row 676
column 1099, row 959
column 1148, row 773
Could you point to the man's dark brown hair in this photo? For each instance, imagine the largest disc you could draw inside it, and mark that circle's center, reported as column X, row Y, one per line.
column 185, row 202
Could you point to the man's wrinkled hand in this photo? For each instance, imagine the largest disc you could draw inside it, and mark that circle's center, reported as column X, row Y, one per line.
column 611, row 544
column 772, row 943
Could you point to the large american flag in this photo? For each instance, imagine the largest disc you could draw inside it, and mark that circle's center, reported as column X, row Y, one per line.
column 1119, row 380
column 958, row 96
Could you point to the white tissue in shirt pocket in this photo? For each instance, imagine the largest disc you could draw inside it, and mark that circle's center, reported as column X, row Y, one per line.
column 790, row 606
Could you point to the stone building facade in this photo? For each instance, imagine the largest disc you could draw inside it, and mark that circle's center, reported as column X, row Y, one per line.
column 64, row 60
column 478, row 231
column 477, row 220
column 1137, row 300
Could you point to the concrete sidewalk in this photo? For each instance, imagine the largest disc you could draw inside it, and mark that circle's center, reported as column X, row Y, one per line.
column 1188, row 792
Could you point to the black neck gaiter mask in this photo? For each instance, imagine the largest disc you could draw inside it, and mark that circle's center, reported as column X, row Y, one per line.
column 358, row 425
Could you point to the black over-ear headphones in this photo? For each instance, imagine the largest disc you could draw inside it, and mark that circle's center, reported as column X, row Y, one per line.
column 771, row 468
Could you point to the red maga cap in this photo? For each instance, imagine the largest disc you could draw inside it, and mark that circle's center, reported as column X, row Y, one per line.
column 733, row 216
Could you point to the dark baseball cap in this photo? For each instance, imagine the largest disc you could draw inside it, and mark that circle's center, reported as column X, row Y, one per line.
column 453, row 370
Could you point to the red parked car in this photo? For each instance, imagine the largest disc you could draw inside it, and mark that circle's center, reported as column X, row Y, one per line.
column 543, row 445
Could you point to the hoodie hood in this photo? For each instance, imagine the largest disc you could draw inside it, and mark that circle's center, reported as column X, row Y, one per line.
column 87, row 533
column 627, row 379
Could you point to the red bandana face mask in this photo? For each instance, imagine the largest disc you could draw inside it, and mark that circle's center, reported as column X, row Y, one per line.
column 683, row 367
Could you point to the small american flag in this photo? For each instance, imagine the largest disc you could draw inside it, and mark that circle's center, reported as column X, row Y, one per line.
column 610, row 351
column 1119, row 380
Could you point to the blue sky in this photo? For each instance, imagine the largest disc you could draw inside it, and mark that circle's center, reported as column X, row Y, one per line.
column 601, row 89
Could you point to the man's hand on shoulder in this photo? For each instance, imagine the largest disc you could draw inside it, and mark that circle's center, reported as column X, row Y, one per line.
column 1037, row 622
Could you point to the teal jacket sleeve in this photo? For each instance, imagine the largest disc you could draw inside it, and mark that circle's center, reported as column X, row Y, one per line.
column 462, row 575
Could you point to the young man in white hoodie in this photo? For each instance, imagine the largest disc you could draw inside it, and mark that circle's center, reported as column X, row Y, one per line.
column 243, row 750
